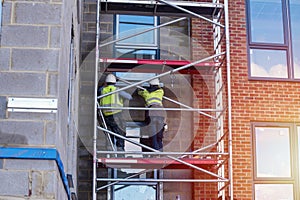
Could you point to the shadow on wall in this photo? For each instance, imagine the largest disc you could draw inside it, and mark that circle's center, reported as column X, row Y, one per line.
column 7, row 139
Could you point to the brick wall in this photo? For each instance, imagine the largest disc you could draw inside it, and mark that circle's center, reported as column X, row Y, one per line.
column 253, row 101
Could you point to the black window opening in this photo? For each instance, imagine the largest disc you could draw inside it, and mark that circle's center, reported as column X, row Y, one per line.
column 274, row 39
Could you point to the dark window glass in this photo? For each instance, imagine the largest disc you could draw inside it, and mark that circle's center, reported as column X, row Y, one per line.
column 136, row 19
column 129, row 29
column 136, row 53
column 141, row 46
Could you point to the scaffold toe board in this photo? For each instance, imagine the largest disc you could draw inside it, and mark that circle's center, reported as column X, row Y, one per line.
column 155, row 163
column 151, row 7
column 148, row 65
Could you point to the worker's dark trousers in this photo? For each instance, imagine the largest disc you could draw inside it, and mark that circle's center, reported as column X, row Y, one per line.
column 116, row 124
column 155, row 130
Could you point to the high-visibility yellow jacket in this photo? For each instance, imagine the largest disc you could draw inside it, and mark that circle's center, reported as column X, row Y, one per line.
column 152, row 98
column 112, row 100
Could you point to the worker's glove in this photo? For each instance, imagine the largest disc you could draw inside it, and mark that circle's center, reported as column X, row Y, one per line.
column 165, row 127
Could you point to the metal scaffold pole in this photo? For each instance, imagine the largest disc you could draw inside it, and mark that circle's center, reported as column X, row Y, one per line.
column 94, row 192
column 230, row 172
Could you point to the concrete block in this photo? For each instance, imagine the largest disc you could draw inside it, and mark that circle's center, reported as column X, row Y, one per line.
column 23, row 83
column 32, row 116
column 83, row 174
column 19, row 164
column 89, row 17
column 4, row 59
column 55, row 37
column 92, row 8
column 50, row 133
column 38, row 13
column 14, row 183
column 6, row 12
column 83, row 195
column 85, row 185
column 37, row 183
column 51, row 180
column 52, row 85
column 2, row 107
column 24, row 36
column 19, row 132
column 90, row 1
column 44, row 184
column 38, row 1
column 35, row 59
column 89, row 36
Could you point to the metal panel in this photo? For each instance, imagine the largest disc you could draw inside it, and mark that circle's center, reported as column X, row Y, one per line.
column 43, row 105
column 156, row 8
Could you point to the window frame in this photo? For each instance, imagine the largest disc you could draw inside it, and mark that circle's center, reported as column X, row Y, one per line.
column 137, row 46
column 294, row 141
column 285, row 46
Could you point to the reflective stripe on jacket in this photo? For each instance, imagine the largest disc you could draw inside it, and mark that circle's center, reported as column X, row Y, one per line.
column 112, row 100
column 152, row 98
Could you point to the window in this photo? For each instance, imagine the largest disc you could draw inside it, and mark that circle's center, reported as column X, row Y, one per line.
column 272, row 152
column 276, row 175
column 141, row 192
column 141, row 46
column 273, row 44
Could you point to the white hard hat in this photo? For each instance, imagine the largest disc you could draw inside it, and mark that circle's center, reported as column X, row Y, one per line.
column 110, row 78
column 154, row 82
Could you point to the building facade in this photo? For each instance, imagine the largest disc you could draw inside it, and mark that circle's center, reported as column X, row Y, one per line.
column 47, row 94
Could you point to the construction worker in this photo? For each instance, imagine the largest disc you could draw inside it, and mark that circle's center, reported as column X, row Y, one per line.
column 153, row 98
column 113, row 117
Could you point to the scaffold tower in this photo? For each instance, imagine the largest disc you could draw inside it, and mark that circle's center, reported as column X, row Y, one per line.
column 207, row 157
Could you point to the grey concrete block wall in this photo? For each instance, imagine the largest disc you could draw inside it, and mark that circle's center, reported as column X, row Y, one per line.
column 4, row 62
column 34, row 63
column 24, row 36
column 2, row 107
column 23, row 84
column 30, row 179
column 38, row 13
column 35, row 60
column 9, row 186
column 20, row 132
